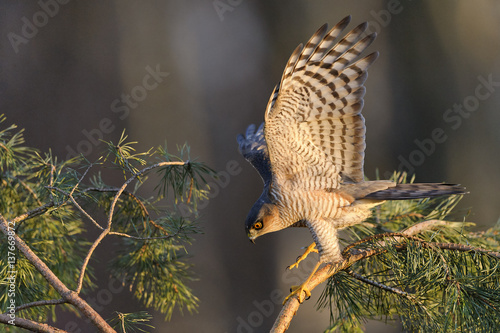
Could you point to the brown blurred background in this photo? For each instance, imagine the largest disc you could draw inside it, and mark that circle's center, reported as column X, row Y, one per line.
column 64, row 74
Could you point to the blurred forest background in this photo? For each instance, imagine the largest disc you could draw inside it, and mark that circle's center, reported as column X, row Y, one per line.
column 64, row 82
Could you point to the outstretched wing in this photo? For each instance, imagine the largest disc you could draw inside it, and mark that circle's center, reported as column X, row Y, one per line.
column 314, row 131
column 253, row 147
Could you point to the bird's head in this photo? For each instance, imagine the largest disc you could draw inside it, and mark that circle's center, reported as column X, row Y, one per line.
column 263, row 218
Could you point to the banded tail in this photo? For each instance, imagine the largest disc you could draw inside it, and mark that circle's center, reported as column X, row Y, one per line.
column 416, row 191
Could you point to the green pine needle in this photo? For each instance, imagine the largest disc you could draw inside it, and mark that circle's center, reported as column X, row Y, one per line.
column 426, row 288
column 68, row 198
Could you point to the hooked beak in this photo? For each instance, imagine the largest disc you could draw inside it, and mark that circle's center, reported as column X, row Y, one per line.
column 251, row 238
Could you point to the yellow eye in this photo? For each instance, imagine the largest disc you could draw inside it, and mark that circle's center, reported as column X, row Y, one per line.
column 258, row 225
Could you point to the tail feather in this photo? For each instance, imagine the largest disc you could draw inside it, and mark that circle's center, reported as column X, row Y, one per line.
column 416, row 191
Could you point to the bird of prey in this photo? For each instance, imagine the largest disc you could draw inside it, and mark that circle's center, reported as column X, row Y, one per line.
column 310, row 150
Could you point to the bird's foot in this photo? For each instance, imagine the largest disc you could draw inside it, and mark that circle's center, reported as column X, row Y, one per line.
column 301, row 291
column 309, row 249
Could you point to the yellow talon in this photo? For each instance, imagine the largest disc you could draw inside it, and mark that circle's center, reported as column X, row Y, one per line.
column 309, row 249
column 302, row 289
column 298, row 290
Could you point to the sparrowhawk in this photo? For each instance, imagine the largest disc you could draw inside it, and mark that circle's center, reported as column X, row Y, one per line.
column 310, row 150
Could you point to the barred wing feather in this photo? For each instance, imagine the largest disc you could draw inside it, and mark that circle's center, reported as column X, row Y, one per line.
column 314, row 127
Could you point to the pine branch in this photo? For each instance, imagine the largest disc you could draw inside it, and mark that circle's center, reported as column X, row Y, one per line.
column 463, row 248
column 40, row 303
column 137, row 174
column 70, row 196
column 80, row 180
column 292, row 304
column 53, row 280
column 121, row 234
column 107, row 230
column 394, row 235
column 379, row 285
column 28, row 178
column 143, row 208
column 31, row 325
column 32, row 213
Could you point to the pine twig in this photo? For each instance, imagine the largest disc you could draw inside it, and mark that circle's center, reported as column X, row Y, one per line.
column 139, row 173
column 143, row 208
column 121, row 234
column 31, row 325
column 107, row 230
column 462, row 248
column 41, row 303
column 384, row 235
column 32, row 213
column 379, row 285
column 70, row 196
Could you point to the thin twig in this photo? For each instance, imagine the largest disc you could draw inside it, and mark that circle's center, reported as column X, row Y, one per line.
column 408, row 233
column 31, row 325
column 32, row 213
column 139, row 238
column 377, row 236
column 81, row 178
column 143, row 208
column 379, row 285
column 41, row 303
column 87, row 259
column 70, row 196
column 463, row 248
column 107, row 230
column 424, row 226
column 122, row 188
